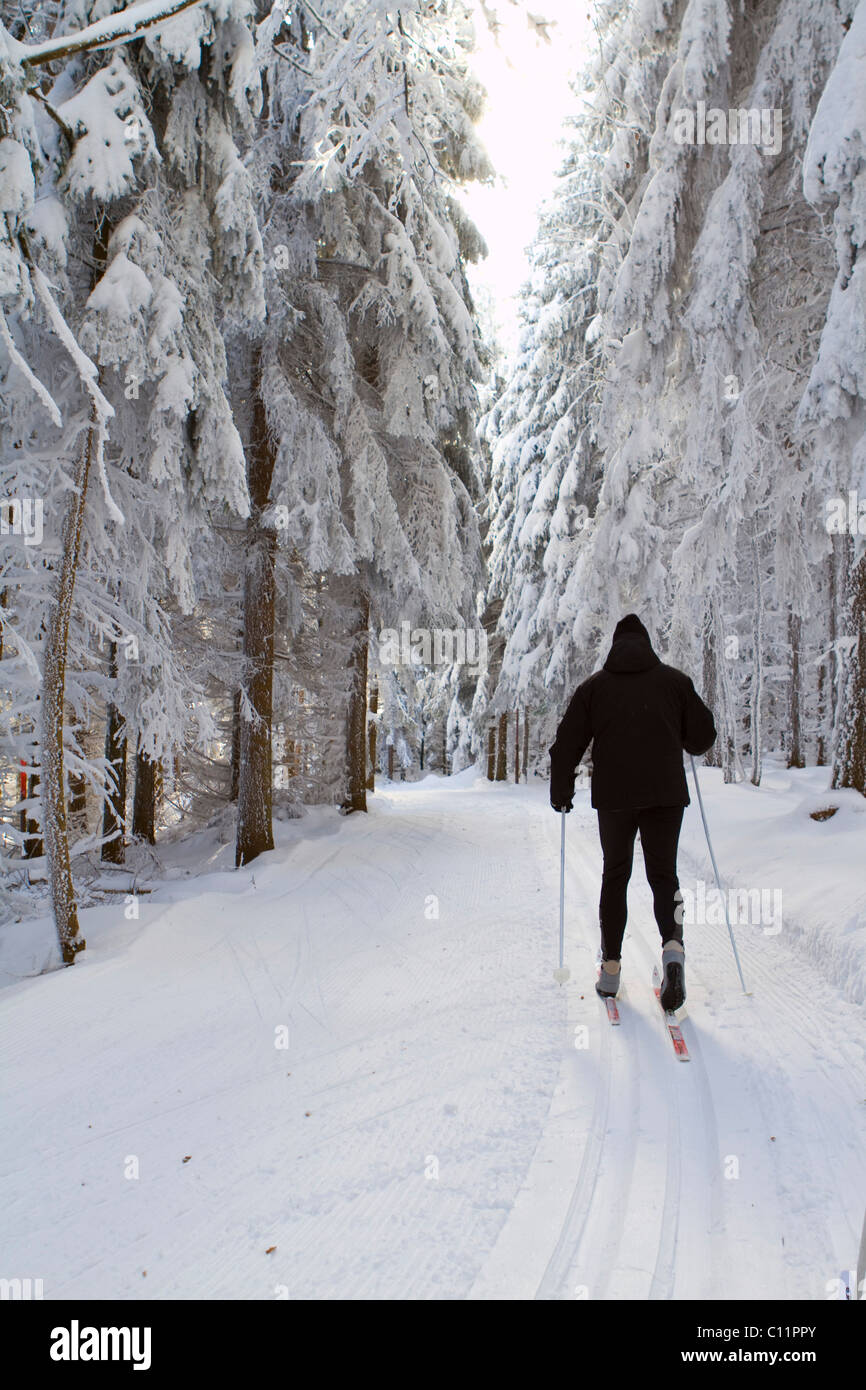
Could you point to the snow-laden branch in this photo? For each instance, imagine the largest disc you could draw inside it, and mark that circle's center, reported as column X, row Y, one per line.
column 41, row 391
column 103, row 410
column 105, row 33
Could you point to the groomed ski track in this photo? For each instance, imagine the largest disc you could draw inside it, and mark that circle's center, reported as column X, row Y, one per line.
column 432, row 1130
column 681, row 1191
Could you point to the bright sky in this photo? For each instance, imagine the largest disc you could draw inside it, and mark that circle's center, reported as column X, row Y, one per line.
column 528, row 96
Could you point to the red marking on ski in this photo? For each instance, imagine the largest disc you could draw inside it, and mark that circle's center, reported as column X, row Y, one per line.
column 612, row 1011
column 676, row 1033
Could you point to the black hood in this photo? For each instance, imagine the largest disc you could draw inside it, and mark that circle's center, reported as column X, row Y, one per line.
column 631, row 649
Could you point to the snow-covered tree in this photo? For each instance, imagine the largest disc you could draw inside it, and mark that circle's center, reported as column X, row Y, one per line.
column 707, row 282
column 368, row 364
column 144, row 412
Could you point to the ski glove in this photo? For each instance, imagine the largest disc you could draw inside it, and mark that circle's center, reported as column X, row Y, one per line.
column 561, row 806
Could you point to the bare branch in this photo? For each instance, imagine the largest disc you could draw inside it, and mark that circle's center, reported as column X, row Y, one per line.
column 289, row 59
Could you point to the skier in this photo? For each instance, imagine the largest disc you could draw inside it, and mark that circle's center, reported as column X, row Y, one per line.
column 639, row 715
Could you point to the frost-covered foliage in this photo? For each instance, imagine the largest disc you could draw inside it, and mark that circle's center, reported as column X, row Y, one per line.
column 718, row 412
column 113, row 336
column 370, row 381
column 368, row 368
column 232, row 257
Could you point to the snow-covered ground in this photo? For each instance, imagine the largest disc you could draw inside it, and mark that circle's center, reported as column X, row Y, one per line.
column 445, row 1121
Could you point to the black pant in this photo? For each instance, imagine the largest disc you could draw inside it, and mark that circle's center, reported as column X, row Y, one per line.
column 659, row 828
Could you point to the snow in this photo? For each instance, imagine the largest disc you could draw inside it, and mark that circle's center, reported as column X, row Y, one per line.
column 16, row 178
column 47, row 221
column 689, row 387
column 835, row 148
column 123, row 291
column 112, row 134
column 432, row 1129
column 38, row 387
column 86, row 369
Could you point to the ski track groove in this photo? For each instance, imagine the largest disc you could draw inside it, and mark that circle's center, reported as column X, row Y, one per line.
column 569, row 1261
column 565, row 1251
column 616, row 1203
column 606, row 1190
column 660, row 1281
column 571, row 1266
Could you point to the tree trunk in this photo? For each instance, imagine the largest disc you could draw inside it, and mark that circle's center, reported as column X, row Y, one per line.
column 713, row 756
column 834, row 673
column 77, row 784
column 526, row 745
column 821, row 742
column 255, row 833
column 356, row 716
column 502, row 749
column 144, row 799
column 54, row 810
column 756, row 732
column 390, row 762
column 491, row 754
column 517, row 746
column 114, row 806
column 795, row 752
column 732, row 763
column 54, row 791
column 849, row 768
column 371, row 739
column 236, row 746
column 445, row 748
column 33, row 846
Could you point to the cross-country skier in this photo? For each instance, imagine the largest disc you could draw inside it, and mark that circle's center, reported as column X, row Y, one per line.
column 639, row 715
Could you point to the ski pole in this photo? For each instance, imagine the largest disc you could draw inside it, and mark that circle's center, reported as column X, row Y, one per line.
column 716, row 872
column 563, row 973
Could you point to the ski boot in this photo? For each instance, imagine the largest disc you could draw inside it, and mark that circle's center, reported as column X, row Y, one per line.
column 609, row 976
column 673, row 990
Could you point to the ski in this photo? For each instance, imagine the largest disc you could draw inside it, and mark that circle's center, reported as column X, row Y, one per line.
column 676, row 1033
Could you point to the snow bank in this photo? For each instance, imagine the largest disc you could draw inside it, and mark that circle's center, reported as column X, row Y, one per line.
column 765, row 839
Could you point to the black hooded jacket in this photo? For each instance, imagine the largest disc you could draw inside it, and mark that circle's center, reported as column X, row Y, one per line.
column 639, row 716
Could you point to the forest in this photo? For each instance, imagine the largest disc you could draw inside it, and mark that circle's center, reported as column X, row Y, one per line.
column 279, row 519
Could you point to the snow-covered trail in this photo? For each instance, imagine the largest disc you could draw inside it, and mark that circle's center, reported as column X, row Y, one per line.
column 738, row 1175
column 431, row 1130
